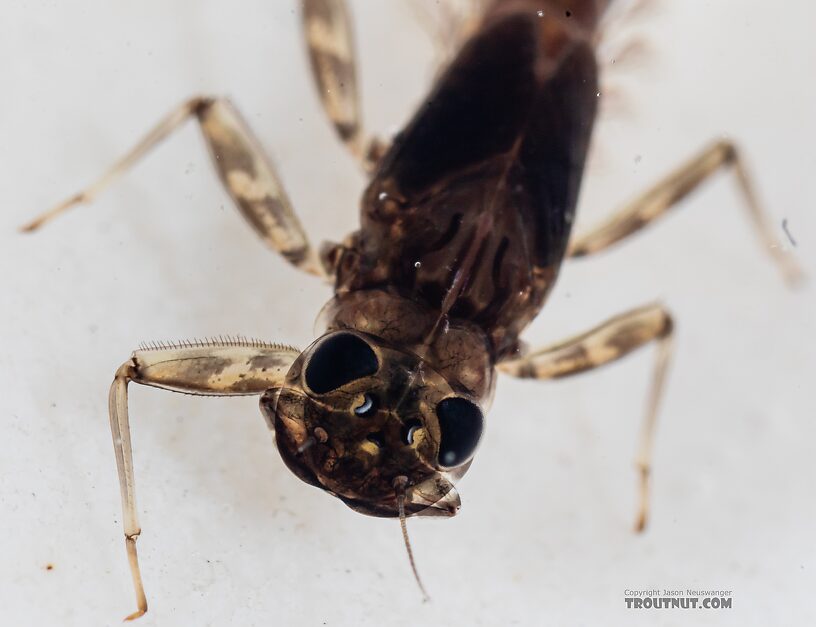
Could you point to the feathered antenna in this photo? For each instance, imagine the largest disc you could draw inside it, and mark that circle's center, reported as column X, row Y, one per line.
column 224, row 341
column 400, row 483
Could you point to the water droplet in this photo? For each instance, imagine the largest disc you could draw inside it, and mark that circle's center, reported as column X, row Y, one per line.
column 598, row 95
column 541, row 14
column 417, row 264
column 382, row 197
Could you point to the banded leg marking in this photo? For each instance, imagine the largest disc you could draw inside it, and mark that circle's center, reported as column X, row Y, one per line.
column 604, row 344
column 247, row 174
column 655, row 202
column 211, row 368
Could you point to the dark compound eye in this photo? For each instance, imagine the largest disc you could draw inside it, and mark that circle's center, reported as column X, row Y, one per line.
column 461, row 423
column 339, row 360
column 367, row 407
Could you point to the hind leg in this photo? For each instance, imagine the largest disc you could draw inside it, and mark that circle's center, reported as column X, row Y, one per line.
column 329, row 37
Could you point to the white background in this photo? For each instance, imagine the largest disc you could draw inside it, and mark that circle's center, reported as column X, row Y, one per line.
column 230, row 537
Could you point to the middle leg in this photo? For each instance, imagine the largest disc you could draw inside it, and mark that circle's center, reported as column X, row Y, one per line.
column 655, row 202
column 606, row 343
column 247, row 174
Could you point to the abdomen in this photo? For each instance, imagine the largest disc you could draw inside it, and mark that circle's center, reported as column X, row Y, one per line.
column 471, row 209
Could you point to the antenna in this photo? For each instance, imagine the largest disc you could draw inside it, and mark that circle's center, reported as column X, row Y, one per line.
column 399, row 487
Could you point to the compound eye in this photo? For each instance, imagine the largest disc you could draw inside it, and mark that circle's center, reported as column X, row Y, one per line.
column 339, row 360
column 461, row 423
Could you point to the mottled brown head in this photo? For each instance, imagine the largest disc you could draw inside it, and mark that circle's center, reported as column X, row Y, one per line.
column 355, row 414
